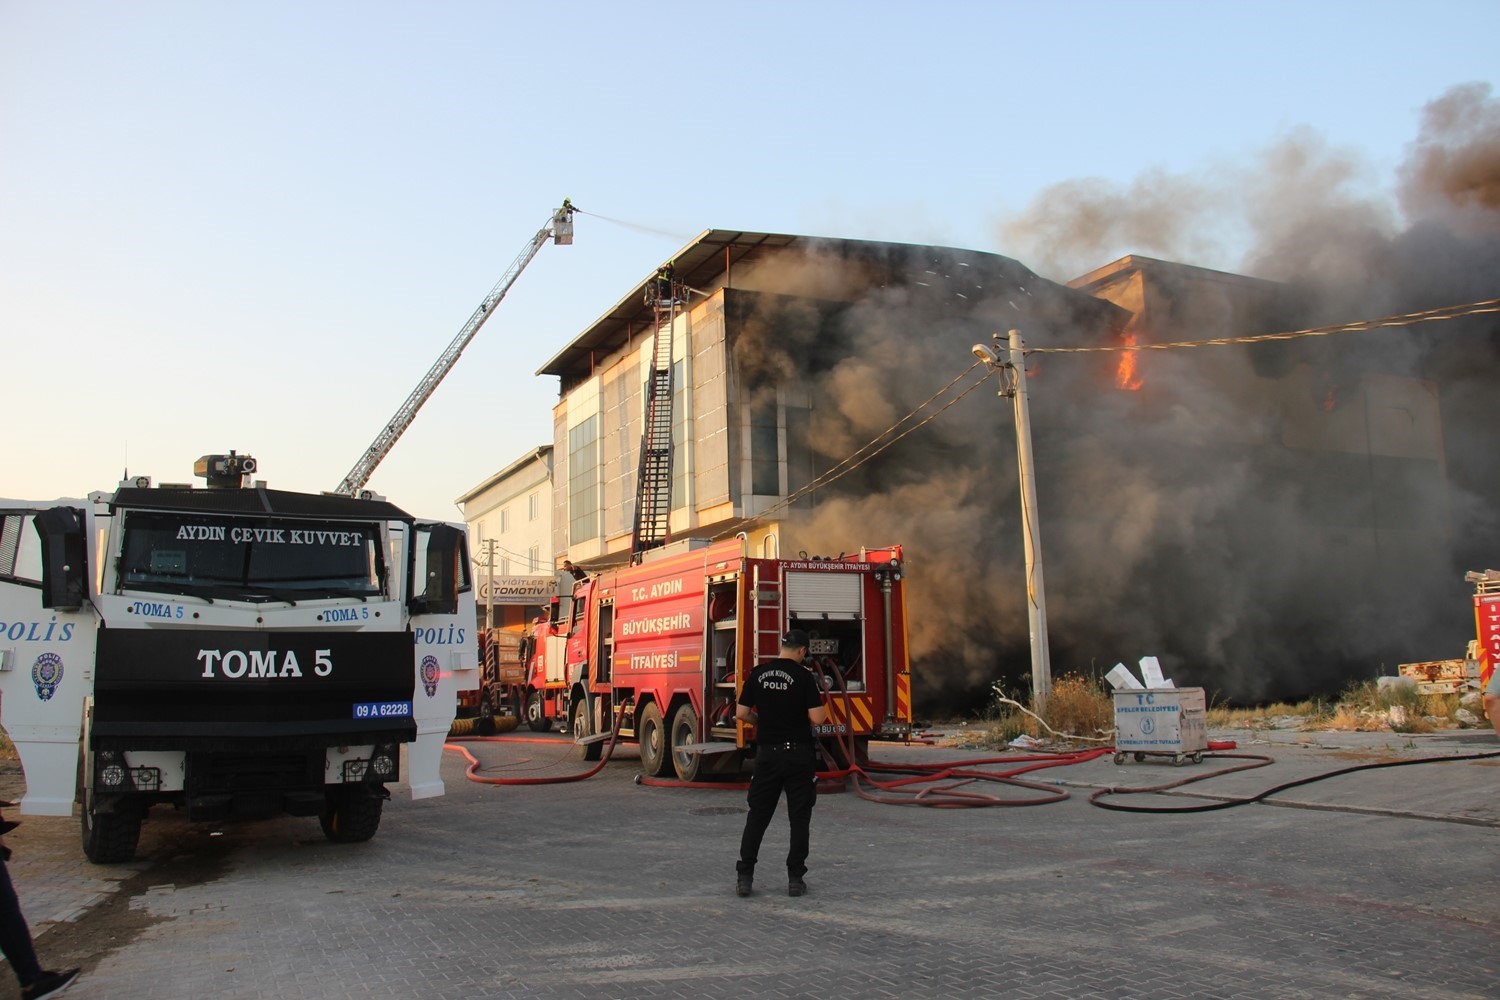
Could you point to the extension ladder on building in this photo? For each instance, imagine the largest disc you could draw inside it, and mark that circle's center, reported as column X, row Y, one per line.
column 653, row 492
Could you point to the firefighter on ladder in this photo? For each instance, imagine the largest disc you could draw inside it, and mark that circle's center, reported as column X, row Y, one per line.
column 664, row 278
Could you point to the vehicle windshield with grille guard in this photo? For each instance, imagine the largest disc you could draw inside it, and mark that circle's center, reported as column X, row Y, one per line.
column 251, row 558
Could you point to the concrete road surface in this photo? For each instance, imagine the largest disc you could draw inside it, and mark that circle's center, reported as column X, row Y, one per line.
column 1375, row 883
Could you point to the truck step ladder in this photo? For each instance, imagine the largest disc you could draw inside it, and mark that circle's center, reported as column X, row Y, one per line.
column 765, row 600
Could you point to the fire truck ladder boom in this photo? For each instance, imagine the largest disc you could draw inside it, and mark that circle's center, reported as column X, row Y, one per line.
column 559, row 229
column 653, row 490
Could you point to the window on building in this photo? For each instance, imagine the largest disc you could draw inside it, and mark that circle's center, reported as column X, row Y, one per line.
column 533, row 506
column 583, row 480
column 765, row 453
column 505, row 565
column 679, row 435
column 619, row 445
column 504, row 519
column 799, row 454
column 534, row 559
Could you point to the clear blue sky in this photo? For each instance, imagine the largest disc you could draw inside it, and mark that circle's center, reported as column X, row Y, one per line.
column 256, row 225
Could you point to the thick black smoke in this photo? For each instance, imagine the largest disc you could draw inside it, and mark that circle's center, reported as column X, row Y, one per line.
column 1220, row 517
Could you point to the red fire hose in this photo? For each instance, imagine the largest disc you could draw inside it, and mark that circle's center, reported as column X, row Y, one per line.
column 471, row 771
column 939, row 786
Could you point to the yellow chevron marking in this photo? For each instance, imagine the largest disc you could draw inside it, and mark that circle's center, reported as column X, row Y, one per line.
column 860, row 707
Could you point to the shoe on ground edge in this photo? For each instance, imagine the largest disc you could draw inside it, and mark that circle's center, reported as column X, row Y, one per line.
column 49, row 984
column 795, row 886
column 742, row 887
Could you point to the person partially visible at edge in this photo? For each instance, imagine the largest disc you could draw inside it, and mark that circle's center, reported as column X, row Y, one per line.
column 15, row 938
column 781, row 697
column 576, row 573
column 1491, row 701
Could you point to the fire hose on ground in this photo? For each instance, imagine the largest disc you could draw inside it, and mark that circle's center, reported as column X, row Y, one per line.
column 471, row 771
column 1097, row 798
column 944, row 785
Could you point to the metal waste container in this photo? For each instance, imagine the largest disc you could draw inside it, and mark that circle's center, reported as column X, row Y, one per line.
column 1160, row 721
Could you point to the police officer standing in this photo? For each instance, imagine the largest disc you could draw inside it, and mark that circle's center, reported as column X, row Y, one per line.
column 781, row 697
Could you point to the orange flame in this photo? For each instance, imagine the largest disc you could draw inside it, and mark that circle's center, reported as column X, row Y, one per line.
column 1127, row 375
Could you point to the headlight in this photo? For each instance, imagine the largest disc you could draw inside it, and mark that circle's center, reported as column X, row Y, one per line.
column 110, row 770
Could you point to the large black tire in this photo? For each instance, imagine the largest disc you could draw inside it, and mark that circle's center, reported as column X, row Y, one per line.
column 350, row 815
column 582, row 727
column 689, row 766
column 656, row 761
column 110, row 838
column 536, row 713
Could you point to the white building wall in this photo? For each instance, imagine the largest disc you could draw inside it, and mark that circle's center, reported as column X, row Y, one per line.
column 510, row 517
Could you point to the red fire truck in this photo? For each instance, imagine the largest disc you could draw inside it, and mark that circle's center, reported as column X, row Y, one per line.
column 657, row 652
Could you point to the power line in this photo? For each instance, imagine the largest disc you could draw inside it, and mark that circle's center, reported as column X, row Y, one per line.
column 849, row 464
column 1406, row 319
column 505, row 551
column 875, row 447
column 871, row 450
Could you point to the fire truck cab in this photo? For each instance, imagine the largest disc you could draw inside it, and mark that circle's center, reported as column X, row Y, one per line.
column 655, row 654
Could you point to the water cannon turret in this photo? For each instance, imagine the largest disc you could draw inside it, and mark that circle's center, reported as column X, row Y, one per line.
column 225, row 472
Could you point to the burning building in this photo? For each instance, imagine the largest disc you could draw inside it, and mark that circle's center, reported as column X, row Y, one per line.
column 1271, row 519
column 1268, row 519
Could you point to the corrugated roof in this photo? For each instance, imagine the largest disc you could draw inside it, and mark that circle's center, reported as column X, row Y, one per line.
column 1100, row 276
column 700, row 264
column 708, row 262
column 537, row 454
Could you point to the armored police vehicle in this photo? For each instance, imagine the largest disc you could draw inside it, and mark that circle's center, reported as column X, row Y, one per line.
column 236, row 651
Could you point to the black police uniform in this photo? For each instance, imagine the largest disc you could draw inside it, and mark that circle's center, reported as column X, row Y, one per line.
column 781, row 691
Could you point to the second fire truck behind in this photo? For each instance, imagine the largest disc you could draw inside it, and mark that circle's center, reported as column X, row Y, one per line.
column 657, row 652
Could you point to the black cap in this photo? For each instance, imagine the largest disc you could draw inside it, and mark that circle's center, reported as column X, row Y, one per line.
column 795, row 639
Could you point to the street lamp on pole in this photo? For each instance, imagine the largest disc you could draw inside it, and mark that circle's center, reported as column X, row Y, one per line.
column 1013, row 384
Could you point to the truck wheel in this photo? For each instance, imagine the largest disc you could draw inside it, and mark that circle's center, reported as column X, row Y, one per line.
column 536, row 713
column 582, row 727
column 655, row 760
column 685, row 731
column 350, row 815
column 110, row 838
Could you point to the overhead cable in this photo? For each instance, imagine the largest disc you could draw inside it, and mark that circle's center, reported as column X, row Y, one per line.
column 1406, row 319
column 869, row 451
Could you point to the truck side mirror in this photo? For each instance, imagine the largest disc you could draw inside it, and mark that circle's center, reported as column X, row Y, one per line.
column 64, row 557
column 439, row 570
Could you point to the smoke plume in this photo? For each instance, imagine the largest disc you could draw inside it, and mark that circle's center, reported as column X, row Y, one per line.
column 1256, row 516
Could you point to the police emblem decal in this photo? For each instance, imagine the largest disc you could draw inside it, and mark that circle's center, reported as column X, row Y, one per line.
column 46, row 675
column 430, row 675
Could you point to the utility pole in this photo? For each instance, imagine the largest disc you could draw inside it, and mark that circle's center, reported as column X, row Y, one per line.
column 489, row 595
column 1013, row 384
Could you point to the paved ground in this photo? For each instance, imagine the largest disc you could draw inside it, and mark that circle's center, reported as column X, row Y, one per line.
column 1375, row 884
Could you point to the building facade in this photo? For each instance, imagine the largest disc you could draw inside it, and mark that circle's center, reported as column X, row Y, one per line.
column 1268, row 519
column 764, row 320
column 509, row 518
